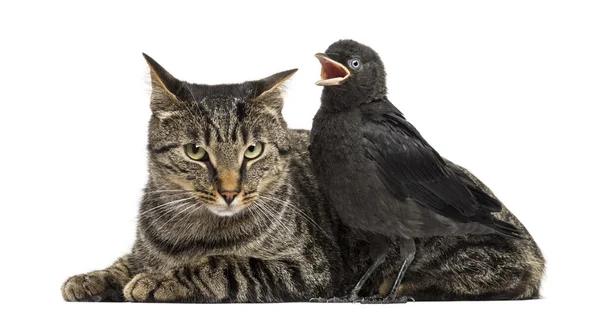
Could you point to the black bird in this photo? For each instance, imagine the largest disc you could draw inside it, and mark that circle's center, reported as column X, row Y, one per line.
column 379, row 173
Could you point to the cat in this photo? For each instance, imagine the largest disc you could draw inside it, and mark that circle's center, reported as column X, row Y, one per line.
column 232, row 213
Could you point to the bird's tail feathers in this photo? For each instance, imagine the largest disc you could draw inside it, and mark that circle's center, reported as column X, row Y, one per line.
column 504, row 228
column 484, row 200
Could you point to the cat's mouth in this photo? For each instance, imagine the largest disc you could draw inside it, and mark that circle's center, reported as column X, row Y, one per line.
column 225, row 211
column 239, row 203
column 332, row 72
column 222, row 209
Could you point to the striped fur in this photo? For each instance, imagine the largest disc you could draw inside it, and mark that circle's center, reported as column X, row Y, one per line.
column 286, row 243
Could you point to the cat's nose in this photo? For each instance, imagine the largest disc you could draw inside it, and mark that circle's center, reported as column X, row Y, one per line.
column 229, row 195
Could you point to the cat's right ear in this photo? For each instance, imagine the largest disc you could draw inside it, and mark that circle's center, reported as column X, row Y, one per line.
column 165, row 87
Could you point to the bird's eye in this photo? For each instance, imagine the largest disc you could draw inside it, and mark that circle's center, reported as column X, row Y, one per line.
column 195, row 152
column 354, row 63
column 253, row 151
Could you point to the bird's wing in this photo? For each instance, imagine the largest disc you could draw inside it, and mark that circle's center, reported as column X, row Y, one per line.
column 410, row 167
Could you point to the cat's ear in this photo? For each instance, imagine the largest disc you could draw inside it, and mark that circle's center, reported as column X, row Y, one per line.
column 165, row 87
column 270, row 84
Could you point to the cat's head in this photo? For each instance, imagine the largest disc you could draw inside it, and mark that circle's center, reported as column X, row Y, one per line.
column 220, row 145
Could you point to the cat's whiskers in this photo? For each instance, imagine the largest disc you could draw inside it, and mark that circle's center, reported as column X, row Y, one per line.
column 168, row 203
column 176, row 209
column 165, row 196
column 159, row 211
column 167, row 211
column 260, row 219
column 250, row 210
column 275, row 215
column 168, row 190
column 154, row 209
column 267, row 211
column 271, row 224
column 187, row 215
column 298, row 211
column 179, row 212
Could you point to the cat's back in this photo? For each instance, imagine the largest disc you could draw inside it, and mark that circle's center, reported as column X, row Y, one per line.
column 299, row 138
column 301, row 168
column 323, row 224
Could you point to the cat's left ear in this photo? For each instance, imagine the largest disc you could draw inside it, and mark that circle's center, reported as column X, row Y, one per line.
column 270, row 84
column 167, row 91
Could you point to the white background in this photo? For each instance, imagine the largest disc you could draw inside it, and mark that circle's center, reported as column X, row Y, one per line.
column 509, row 89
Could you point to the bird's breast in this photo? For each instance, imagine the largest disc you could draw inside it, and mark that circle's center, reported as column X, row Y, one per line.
column 336, row 141
column 339, row 159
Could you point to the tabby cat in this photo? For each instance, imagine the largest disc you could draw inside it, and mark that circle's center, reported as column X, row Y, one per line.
column 232, row 213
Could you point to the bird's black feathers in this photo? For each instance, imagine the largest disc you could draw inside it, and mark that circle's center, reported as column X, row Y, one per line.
column 407, row 163
column 504, row 228
column 483, row 199
column 379, row 173
column 362, row 144
column 398, row 147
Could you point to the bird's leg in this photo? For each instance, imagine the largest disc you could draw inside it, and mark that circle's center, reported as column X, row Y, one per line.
column 353, row 297
column 379, row 246
column 378, row 251
column 407, row 252
column 330, row 300
column 354, row 293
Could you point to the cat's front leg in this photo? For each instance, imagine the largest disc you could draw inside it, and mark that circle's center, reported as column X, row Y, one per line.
column 100, row 285
column 226, row 279
column 158, row 287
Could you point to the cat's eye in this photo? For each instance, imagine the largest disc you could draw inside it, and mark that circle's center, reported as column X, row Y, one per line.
column 195, row 152
column 354, row 63
column 253, row 151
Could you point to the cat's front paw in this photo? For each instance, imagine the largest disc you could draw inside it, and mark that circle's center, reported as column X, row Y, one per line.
column 95, row 286
column 146, row 287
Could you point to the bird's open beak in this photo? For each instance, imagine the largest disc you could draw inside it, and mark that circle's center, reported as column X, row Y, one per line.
column 332, row 72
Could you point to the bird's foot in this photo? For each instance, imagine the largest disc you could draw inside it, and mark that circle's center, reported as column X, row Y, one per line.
column 375, row 299
column 390, row 299
column 333, row 300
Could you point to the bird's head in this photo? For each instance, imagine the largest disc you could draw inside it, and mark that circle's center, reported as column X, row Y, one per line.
column 352, row 72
